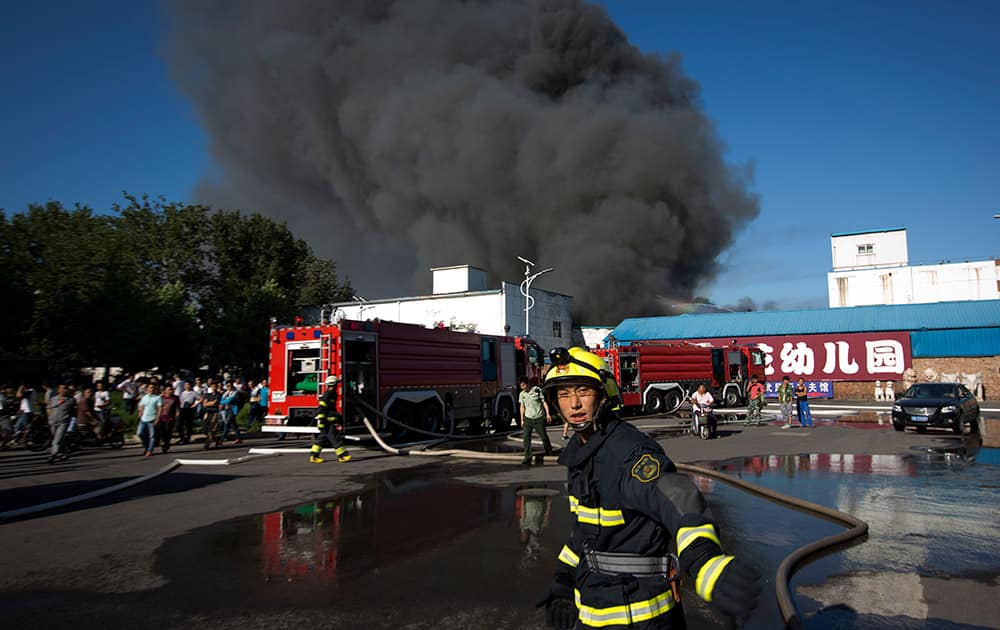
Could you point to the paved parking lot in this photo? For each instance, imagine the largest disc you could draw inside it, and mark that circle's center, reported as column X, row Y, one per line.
column 110, row 545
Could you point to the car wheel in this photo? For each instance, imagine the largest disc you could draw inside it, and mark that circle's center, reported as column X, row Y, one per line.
column 898, row 427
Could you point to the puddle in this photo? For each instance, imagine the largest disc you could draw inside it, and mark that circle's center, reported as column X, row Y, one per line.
column 866, row 420
column 932, row 556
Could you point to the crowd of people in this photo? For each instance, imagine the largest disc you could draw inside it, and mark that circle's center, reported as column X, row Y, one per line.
column 169, row 410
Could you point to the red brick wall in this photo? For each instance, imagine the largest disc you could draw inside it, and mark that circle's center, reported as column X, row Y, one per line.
column 989, row 367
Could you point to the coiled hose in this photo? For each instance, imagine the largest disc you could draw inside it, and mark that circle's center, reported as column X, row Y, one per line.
column 789, row 565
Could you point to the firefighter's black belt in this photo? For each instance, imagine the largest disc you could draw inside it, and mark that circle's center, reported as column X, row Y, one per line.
column 630, row 564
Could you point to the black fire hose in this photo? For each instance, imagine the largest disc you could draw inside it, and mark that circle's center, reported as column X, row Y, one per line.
column 801, row 556
column 451, row 436
column 789, row 565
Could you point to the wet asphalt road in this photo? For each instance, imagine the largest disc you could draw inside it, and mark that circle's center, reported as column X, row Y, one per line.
column 379, row 542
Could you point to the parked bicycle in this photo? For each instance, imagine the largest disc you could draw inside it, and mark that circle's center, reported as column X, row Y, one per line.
column 85, row 435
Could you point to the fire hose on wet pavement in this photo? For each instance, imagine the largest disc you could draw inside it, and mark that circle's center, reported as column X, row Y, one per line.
column 856, row 528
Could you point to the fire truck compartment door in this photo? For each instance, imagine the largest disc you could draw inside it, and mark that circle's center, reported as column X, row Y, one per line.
column 508, row 373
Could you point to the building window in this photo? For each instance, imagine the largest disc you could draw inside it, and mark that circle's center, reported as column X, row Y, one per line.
column 557, row 329
column 866, row 250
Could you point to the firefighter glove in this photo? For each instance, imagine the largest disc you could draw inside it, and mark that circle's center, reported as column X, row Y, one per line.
column 735, row 590
column 560, row 609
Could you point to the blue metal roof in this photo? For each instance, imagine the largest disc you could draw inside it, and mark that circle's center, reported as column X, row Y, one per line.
column 912, row 317
column 965, row 342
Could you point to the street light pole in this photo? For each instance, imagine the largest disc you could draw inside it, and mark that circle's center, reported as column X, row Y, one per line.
column 526, row 289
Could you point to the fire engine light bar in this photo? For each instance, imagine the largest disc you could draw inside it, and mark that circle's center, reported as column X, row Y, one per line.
column 289, row 335
column 317, row 333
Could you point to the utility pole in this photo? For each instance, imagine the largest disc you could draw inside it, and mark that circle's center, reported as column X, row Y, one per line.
column 526, row 288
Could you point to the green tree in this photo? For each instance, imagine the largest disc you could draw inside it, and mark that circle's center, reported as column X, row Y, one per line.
column 153, row 283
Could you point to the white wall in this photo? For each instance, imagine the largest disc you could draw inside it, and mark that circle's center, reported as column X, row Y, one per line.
column 458, row 279
column 479, row 311
column 594, row 336
column 914, row 285
column 486, row 312
column 887, row 249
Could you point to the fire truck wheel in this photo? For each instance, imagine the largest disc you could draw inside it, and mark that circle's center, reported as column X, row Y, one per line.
column 654, row 403
column 505, row 414
column 403, row 414
column 671, row 401
column 731, row 399
column 431, row 418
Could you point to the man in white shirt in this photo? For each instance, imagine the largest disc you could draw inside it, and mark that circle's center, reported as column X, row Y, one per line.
column 178, row 385
column 102, row 403
column 129, row 389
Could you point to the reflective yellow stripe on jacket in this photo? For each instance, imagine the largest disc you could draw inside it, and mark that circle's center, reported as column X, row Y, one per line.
column 687, row 535
column 596, row 516
column 625, row 614
column 567, row 556
column 709, row 574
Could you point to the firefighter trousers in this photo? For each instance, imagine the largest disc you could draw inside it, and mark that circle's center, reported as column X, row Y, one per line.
column 328, row 437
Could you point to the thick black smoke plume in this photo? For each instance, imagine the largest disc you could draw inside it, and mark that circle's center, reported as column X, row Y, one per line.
column 402, row 135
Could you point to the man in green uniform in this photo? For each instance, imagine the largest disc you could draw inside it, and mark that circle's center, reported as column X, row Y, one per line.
column 534, row 414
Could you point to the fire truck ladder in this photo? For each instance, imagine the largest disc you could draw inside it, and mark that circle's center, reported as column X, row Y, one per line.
column 325, row 361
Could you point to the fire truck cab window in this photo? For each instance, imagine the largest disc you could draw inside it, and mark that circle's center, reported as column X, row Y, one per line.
column 489, row 359
column 303, row 370
column 629, row 373
column 737, row 365
column 718, row 365
column 534, row 355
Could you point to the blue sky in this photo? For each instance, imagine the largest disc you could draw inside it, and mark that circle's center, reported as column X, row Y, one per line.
column 854, row 115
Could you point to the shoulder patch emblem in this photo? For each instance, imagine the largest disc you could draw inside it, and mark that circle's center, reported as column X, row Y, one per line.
column 646, row 469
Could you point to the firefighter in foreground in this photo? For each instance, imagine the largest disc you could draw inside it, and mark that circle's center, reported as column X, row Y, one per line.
column 329, row 424
column 631, row 507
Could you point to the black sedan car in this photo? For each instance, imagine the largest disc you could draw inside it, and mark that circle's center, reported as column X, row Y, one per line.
column 946, row 405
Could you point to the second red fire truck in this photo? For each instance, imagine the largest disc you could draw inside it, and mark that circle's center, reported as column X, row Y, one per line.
column 658, row 376
column 434, row 379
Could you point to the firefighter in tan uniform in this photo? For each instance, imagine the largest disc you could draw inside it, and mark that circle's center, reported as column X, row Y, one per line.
column 329, row 424
column 631, row 509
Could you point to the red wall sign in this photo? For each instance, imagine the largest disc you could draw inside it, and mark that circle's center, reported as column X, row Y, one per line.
column 846, row 357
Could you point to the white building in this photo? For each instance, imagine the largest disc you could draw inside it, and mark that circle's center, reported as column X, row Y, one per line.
column 873, row 268
column 461, row 300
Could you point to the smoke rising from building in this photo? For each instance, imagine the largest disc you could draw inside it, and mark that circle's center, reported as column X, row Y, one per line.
column 396, row 136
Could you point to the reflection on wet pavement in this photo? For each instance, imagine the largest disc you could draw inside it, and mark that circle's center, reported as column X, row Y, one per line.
column 933, row 552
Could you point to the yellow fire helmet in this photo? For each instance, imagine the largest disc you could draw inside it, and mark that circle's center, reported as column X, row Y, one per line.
column 577, row 366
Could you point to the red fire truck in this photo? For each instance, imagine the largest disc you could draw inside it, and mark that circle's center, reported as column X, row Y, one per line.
column 430, row 378
column 657, row 377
